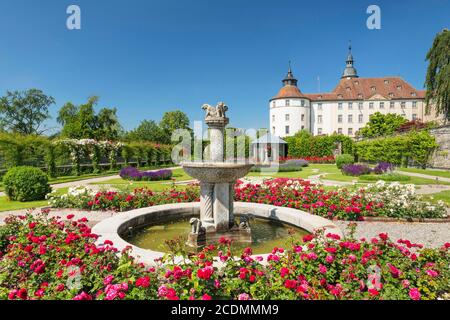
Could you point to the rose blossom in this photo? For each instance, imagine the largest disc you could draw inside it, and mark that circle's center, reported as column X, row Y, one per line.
column 414, row 294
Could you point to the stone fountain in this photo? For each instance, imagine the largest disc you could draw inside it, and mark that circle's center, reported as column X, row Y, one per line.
column 217, row 179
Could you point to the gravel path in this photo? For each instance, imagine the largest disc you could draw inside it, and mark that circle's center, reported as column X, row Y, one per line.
column 428, row 234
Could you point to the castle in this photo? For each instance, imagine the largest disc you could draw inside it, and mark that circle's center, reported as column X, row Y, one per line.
column 347, row 108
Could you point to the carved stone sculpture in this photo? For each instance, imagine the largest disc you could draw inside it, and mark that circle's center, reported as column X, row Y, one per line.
column 196, row 225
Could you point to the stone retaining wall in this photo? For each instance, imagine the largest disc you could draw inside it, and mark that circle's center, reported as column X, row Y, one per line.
column 441, row 157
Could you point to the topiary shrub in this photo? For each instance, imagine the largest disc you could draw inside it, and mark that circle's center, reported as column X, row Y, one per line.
column 344, row 159
column 26, row 184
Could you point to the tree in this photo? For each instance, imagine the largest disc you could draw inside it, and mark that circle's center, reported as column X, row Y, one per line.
column 148, row 130
column 81, row 122
column 381, row 125
column 25, row 111
column 437, row 81
column 172, row 121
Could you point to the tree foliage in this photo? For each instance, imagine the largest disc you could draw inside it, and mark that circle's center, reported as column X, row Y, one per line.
column 81, row 122
column 171, row 121
column 148, row 130
column 382, row 125
column 24, row 112
column 437, row 81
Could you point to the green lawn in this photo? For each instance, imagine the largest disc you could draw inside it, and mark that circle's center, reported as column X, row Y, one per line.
column 7, row 205
column 122, row 184
column 443, row 195
column 435, row 173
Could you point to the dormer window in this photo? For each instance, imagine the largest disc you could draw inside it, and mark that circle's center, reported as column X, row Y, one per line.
column 413, row 94
column 360, row 96
column 399, row 87
column 373, row 88
column 386, row 81
column 348, row 89
column 320, row 97
column 340, row 96
column 391, row 95
column 356, row 82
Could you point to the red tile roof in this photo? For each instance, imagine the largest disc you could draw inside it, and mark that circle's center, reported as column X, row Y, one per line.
column 365, row 88
column 289, row 91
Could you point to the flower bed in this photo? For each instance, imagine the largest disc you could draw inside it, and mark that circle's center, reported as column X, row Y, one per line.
column 84, row 198
column 379, row 199
column 355, row 169
column 42, row 258
column 374, row 200
column 132, row 173
column 329, row 159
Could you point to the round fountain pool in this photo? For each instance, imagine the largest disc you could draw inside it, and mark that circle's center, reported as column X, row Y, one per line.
column 270, row 226
column 265, row 235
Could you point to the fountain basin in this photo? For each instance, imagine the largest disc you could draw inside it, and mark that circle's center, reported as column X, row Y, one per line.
column 114, row 227
column 216, row 172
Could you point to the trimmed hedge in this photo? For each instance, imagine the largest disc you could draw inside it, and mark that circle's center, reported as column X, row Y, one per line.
column 303, row 144
column 69, row 157
column 26, row 184
column 416, row 146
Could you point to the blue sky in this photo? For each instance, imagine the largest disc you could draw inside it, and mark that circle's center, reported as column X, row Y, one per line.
column 148, row 57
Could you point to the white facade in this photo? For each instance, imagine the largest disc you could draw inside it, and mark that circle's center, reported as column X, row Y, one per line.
column 347, row 108
column 288, row 116
column 347, row 117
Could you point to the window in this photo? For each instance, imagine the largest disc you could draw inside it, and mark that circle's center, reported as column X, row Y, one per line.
column 392, row 104
column 340, row 130
column 386, row 81
column 288, row 103
column 286, row 116
column 403, row 104
column 391, row 94
column 303, row 127
column 319, row 130
column 286, row 129
column 371, row 105
column 340, row 118
column 319, row 106
column 340, row 105
column 273, row 118
column 373, row 88
column 273, row 104
column 399, row 87
column 350, row 118
column 360, row 118
column 350, row 131
column 413, row 94
column 414, row 116
column 303, row 103
column 360, row 105
column 319, row 119
column 381, row 105
column 303, row 117
column 414, row 104
column 350, row 105
column 273, row 130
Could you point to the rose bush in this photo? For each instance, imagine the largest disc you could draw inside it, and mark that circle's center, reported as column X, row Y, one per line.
column 87, row 199
column 374, row 200
column 380, row 199
column 45, row 258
